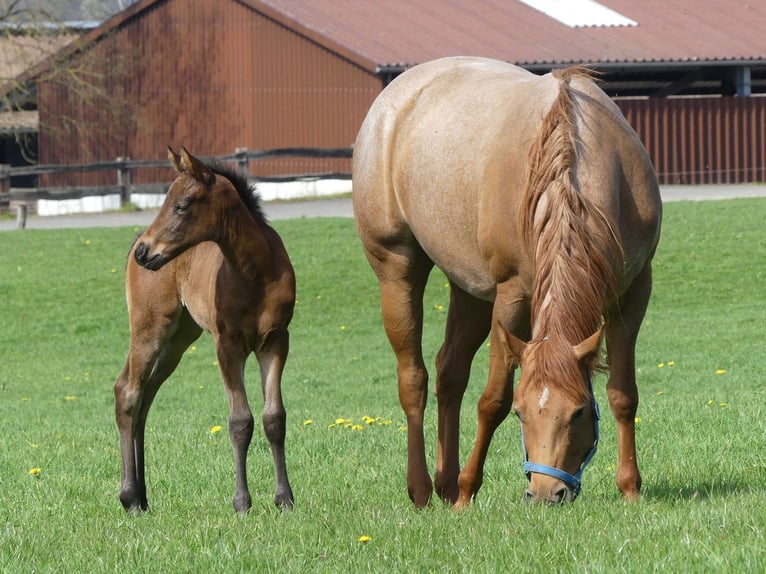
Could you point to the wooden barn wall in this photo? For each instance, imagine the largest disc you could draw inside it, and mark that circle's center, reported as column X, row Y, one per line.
column 702, row 140
column 211, row 75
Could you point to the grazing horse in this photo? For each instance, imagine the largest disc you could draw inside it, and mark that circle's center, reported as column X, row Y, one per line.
column 209, row 261
column 540, row 204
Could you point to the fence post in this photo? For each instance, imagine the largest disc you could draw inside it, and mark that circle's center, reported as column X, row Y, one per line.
column 5, row 180
column 243, row 165
column 123, row 180
column 21, row 215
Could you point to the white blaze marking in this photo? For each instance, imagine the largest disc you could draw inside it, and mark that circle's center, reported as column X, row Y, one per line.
column 544, row 396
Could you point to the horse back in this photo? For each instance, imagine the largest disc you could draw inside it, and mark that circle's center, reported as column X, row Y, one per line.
column 442, row 161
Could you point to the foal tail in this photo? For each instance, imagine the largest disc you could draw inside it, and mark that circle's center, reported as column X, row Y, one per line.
column 573, row 245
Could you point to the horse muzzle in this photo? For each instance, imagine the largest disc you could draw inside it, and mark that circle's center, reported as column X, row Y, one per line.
column 558, row 496
column 145, row 259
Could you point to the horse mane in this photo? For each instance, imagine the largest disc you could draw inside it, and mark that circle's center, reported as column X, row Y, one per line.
column 573, row 245
column 247, row 191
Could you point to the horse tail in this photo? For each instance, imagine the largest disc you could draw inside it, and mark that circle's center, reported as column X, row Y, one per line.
column 575, row 250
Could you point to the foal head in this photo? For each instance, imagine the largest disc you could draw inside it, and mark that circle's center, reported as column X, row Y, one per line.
column 559, row 416
column 195, row 210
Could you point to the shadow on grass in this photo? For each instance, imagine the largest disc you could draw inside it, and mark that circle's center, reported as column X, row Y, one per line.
column 704, row 489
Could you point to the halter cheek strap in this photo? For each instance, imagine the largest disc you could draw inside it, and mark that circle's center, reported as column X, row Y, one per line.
column 573, row 481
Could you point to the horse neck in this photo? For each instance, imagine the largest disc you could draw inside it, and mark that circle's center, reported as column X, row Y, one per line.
column 245, row 245
column 573, row 258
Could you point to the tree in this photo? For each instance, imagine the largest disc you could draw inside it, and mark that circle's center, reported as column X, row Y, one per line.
column 38, row 44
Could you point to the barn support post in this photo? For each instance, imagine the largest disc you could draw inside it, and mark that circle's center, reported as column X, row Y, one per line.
column 243, row 165
column 123, row 180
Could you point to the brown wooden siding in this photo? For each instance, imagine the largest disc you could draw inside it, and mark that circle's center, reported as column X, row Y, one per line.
column 216, row 75
column 702, row 140
column 213, row 76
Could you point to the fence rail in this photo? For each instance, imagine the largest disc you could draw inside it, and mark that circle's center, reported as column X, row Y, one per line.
column 123, row 167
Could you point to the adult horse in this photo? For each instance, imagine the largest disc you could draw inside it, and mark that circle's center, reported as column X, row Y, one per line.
column 540, row 204
column 209, row 261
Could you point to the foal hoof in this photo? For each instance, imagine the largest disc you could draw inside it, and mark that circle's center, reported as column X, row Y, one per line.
column 242, row 503
column 284, row 501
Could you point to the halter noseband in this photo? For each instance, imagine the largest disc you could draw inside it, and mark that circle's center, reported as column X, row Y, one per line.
column 573, row 481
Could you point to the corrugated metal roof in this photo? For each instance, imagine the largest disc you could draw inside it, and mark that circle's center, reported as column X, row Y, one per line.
column 405, row 32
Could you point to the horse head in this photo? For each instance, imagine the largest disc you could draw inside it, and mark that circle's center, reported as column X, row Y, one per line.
column 558, row 412
column 187, row 216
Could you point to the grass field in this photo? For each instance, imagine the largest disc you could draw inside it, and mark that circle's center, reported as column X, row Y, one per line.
column 701, row 426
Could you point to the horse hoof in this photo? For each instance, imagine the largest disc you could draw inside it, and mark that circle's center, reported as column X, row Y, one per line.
column 284, row 502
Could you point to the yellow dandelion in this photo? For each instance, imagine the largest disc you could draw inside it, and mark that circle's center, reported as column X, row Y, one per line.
column 341, row 421
column 638, row 419
column 114, row 270
column 671, row 363
column 307, row 422
column 660, row 393
column 368, row 420
column 357, row 427
column 439, row 307
column 215, row 429
column 401, row 428
column 720, row 371
column 723, row 405
column 87, row 242
column 364, row 539
column 660, row 365
column 342, row 327
column 70, row 398
column 331, row 426
column 34, row 471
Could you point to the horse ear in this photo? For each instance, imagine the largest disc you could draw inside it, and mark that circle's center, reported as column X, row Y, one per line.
column 175, row 159
column 588, row 349
column 195, row 168
column 513, row 347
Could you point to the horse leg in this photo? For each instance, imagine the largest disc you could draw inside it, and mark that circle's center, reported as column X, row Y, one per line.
column 468, row 323
column 148, row 365
column 511, row 311
column 621, row 334
column 271, row 360
column 232, row 355
column 402, row 283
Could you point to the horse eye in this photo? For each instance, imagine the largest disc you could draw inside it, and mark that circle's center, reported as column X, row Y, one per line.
column 578, row 414
column 180, row 208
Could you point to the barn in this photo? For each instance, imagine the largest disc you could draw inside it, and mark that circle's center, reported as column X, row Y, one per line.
column 216, row 75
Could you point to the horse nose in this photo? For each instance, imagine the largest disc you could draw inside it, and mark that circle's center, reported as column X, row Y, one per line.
column 561, row 494
column 140, row 253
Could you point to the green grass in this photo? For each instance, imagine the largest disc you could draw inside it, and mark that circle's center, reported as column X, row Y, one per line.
column 701, row 435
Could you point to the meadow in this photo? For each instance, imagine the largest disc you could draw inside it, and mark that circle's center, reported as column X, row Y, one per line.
column 701, row 425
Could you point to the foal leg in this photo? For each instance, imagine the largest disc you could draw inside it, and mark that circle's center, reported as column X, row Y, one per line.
column 153, row 356
column 621, row 333
column 402, row 283
column 468, row 323
column 232, row 355
column 271, row 360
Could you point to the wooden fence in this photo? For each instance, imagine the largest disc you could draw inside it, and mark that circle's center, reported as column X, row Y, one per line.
column 123, row 167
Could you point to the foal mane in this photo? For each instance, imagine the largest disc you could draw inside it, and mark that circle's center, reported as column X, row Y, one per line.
column 247, row 191
column 574, row 247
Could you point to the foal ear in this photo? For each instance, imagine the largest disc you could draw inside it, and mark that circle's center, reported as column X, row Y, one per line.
column 588, row 350
column 195, row 168
column 175, row 159
column 513, row 347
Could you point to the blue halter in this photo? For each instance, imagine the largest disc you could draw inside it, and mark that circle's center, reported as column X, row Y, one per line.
column 573, row 481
